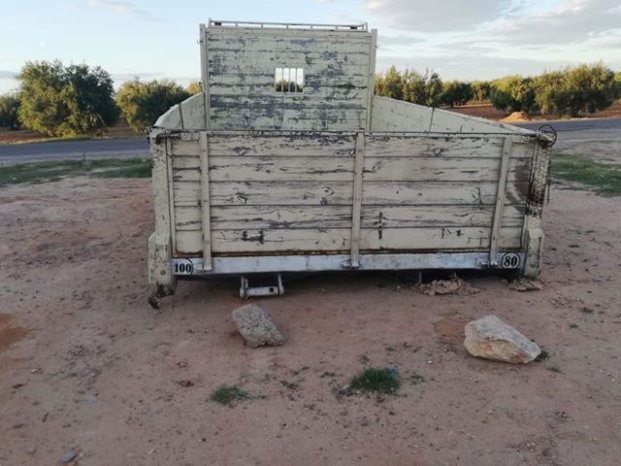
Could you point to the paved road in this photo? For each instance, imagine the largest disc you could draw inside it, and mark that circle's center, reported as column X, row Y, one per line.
column 73, row 150
column 569, row 132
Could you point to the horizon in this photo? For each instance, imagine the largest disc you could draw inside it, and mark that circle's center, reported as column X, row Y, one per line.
column 488, row 40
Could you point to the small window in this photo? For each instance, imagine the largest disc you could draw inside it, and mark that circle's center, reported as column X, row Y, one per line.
column 289, row 80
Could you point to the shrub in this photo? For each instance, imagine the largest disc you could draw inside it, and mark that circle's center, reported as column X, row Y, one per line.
column 143, row 102
column 194, row 87
column 575, row 91
column 513, row 94
column 9, row 108
column 58, row 100
column 456, row 93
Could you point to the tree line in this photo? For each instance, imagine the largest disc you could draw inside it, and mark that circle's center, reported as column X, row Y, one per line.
column 572, row 91
column 67, row 100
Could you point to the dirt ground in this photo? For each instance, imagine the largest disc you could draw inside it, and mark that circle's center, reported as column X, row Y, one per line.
column 486, row 110
column 86, row 364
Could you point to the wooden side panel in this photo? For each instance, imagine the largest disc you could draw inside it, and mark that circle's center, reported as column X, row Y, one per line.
column 241, row 69
column 272, row 193
column 310, row 241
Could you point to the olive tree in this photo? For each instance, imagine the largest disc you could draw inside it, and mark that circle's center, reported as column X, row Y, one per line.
column 9, row 108
column 58, row 100
column 143, row 102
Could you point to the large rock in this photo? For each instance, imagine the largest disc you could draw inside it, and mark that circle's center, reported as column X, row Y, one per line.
column 256, row 327
column 491, row 338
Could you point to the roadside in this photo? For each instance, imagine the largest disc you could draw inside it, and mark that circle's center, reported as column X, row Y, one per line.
column 23, row 136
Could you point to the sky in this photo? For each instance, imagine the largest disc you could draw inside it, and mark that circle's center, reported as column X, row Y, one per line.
column 460, row 39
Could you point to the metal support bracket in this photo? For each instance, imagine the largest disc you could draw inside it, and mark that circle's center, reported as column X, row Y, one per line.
column 500, row 201
column 246, row 291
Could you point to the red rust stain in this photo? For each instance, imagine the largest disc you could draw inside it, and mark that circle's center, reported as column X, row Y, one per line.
column 9, row 335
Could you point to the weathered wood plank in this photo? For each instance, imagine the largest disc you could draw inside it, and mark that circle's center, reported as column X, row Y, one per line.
column 310, row 119
column 433, row 168
column 258, row 43
column 267, row 78
column 267, row 193
column 312, row 88
column 340, row 193
column 302, row 101
column 294, row 145
column 277, row 169
column 441, row 239
column 233, row 168
column 338, row 240
column 438, row 192
column 328, row 70
column 443, row 146
column 303, row 217
column 285, row 57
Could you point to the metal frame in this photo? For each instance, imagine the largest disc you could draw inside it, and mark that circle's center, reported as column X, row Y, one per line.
column 317, row 263
column 259, row 24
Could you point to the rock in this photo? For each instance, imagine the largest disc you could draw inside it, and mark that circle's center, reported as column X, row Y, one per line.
column 491, row 338
column 256, row 327
column 455, row 286
column 70, row 455
column 524, row 284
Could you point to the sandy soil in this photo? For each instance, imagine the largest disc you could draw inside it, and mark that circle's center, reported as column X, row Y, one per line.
column 486, row 110
column 85, row 363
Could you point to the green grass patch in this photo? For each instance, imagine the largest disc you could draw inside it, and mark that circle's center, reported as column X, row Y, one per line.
column 41, row 172
column 375, row 380
column 578, row 168
column 228, row 395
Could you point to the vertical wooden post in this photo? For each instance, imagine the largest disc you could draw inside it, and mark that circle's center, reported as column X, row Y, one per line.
column 171, row 193
column 204, row 73
column 357, row 200
column 500, row 200
column 371, row 82
column 203, row 152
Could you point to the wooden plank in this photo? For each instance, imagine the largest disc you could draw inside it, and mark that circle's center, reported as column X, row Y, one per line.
column 357, row 201
column 329, row 145
column 328, row 70
column 260, row 44
column 443, row 146
column 189, row 218
column 267, row 193
column 181, row 148
column 340, row 193
column 205, row 201
column 312, row 80
column 272, row 169
column 303, row 101
column 432, row 168
column 241, row 241
column 267, row 217
column 440, row 239
column 313, row 87
column 310, row 58
column 309, row 119
column 500, row 201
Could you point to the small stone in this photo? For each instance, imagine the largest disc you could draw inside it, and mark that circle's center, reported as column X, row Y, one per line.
column 256, row 327
column 491, row 338
column 524, row 284
column 70, row 455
